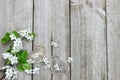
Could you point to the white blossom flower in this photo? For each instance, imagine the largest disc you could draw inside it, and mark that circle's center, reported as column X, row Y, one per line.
column 45, row 60
column 47, row 66
column 56, row 67
column 36, row 70
column 17, row 45
column 54, row 44
column 47, row 63
column 33, row 71
column 28, row 71
column 70, row 59
column 30, row 61
column 29, row 37
column 13, row 37
column 27, row 33
column 14, row 60
column 35, row 56
column 9, row 56
column 10, row 73
column 22, row 33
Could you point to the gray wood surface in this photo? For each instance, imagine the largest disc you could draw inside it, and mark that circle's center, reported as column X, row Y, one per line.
column 88, row 42
column 113, row 33
column 43, row 31
column 87, row 30
column 60, row 32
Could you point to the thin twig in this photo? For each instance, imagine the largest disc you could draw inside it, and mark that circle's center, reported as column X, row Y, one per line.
column 2, row 77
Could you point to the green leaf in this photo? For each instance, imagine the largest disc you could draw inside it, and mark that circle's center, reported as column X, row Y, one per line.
column 6, row 38
column 26, row 66
column 19, row 67
column 22, row 56
column 23, row 66
column 33, row 34
column 16, row 34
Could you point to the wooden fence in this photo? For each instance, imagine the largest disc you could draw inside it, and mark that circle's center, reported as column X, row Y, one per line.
column 87, row 30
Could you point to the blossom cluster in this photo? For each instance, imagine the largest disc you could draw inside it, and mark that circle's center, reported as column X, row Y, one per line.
column 10, row 57
column 17, row 45
column 16, row 55
column 10, row 73
column 27, row 33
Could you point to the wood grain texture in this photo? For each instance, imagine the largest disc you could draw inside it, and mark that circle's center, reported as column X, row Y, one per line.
column 88, row 42
column 60, row 32
column 15, row 15
column 87, row 30
column 42, row 14
column 113, row 31
column 51, row 20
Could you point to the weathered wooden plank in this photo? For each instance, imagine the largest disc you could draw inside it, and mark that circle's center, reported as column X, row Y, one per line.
column 60, row 33
column 15, row 15
column 51, row 15
column 88, row 42
column 42, row 14
column 113, row 33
